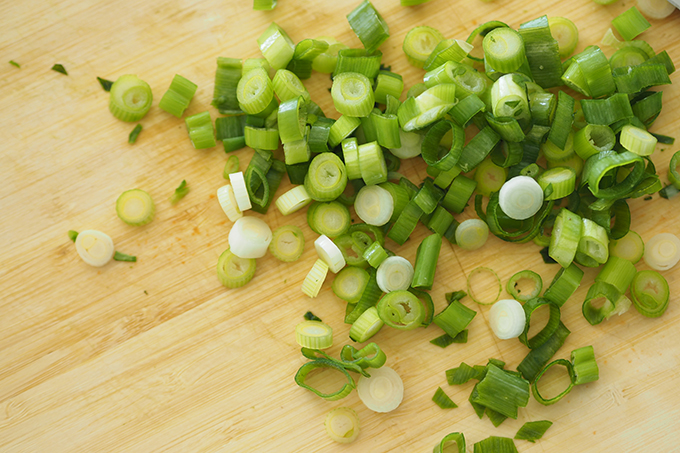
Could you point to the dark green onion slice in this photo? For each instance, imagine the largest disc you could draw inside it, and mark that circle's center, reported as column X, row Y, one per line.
column 537, row 394
column 406, row 223
column 227, row 76
column 537, row 358
column 495, row 444
column 446, row 340
column 630, row 23
column 542, row 52
column 549, row 329
column 650, row 293
column 454, row 318
column 370, row 356
column 431, row 148
column 532, row 431
column 502, row 392
column 462, row 374
column 106, row 84
column 514, row 285
column 442, row 400
column 60, row 69
column 132, row 138
column 585, row 366
column 369, row 298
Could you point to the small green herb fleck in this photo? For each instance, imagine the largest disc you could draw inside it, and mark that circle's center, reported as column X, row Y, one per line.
column 59, row 68
column 106, row 84
column 14, row 63
column 146, row 292
column 72, row 235
column 134, row 134
column 547, row 259
column 311, row 317
column 648, row 198
column 180, row 192
column 123, row 257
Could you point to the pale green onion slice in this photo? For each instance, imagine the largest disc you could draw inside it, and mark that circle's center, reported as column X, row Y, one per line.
column 637, row 140
column 630, row 247
column 566, row 34
column 548, row 330
column 130, row 98
column 489, row 177
column 227, row 200
column 329, row 253
column 561, row 179
column 585, row 366
column 287, row 244
column 565, row 237
column 276, row 46
column 366, row 325
column 446, row 444
column 179, row 95
column 594, row 242
column 293, row 200
column 650, row 293
column 372, row 163
column 94, row 247
column 472, row 234
column 656, row 9
column 331, row 218
column 375, row 254
column 315, row 278
column 394, row 274
column 255, row 91
column 401, row 310
column 383, row 391
column 509, row 98
column 234, row 272
column 556, row 154
column 249, row 237
column 454, row 50
column 473, row 294
column 201, row 130
column 240, row 191
column 326, row 61
column 630, row 23
column 352, row 94
column 287, row 86
column 662, row 252
column 314, row 335
column 507, row 319
column 521, row 197
column 419, row 43
column 368, row 25
column 350, row 152
column 593, row 139
column 609, row 39
column 374, row 205
column 326, row 178
column 411, row 145
column 342, row 425
column 349, row 283
column 504, row 49
column 516, row 285
column 135, row 207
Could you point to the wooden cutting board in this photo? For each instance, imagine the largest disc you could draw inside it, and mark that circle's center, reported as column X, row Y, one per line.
column 157, row 355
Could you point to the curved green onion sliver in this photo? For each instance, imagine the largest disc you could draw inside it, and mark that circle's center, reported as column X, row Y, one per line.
column 352, row 94
column 432, row 143
column 308, row 367
column 370, row 356
column 457, row 438
column 471, row 293
column 537, row 358
column 482, row 31
column 130, row 98
column 570, row 369
column 650, row 293
column 401, row 310
column 606, row 296
column 419, row 43
column 525, row 232
column 630, row 247
column 601, row 164
column 427, row 303
column 550, row 328
column 326, row 178
column 287, row 244
column 565, row 237
column 514, row 291
column 234, row 272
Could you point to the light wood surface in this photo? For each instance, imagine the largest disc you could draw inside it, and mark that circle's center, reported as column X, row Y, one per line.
column 157, row 355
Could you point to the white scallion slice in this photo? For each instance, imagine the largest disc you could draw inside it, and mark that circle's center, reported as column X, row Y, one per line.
column 225, row 195
column 472, row 234
column 507, row 319
column 374, row 205
column 342, row 425
column 240, row 191
column 249, row 237
column 394, row 274
column 329, row 253
column 315, row 278
column 656, row 9
column 411, row 145
column 314, row 335
column 662, row 252
column 383, row 391
column 521, row 197
column 94, row 247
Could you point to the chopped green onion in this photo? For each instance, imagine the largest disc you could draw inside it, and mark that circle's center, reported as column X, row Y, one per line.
column 374, row 205
column 662, row 252
column 593, row 139
column 327, row 60
column 130, row 98
column 387, row 84
column 233, row 271
column 394, row 273
column 426, row 261
column 342, row 423
column 94, row 247
column 454, row 318
column 650, row 293
column 585, row 366
column 60, row 69
column 442, row 400
column 315, row 278
column 301, row 376
column 230, row 130
column 542, row 52
column 314, row 335
column 118, row 256
column 227, row 200
column 360, row 61
column 462, row 374
column 566, row 34
column 489, row 177
column 135, row 207
column 352, row 94
column 431, row 152
column 602, row 301
column 372, row 163
column 446, row 444
column 515, row 285
column 630, row 23
column 537, row 394
column 537, row 358
column 106, row 84
column 227, row 76
column 446, row 340
column 504, row 49
column 561, row 179
column 383, row 391
column 370, row 356
column 419, row 43
column 293, row 200
column 368, row 25
column 478, row 148
column 132, row 138
column 565, row 237
column 507, row 319
column 482, row 270
column 521, row 197
column 341, row 129
column 406, row 223
column 401, row 310
column 179, row 95
column 180, row 192
column 495, row 444
column 637, row 140
column 366, row 325
column 249, row 237
column 15, row 64
column 532, row 431
column 453, row 50
column 287, row 243
column 563, row 120
column 630, row 247
column 502, row 392
column 72, row 235
column 326, row 178
column 564, row 284
column 255, row 91
column 459, row 194
column 329, row 253
column 329, row 218
column 350, row 283
column 472, row 234
column 264, row 5
column 201, row 130
column 288, row 86
column 276, row 46
column 240, row 190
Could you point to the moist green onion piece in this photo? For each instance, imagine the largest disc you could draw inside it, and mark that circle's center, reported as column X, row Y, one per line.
column 471, row 293
column 478, row 148
column 461, row 374
column 458, row 438
column 495, row 444
column 301, row 68
column 301, row 375
column 607, row 111
column 360, row 61
column 369, row 298
column 341, row 129
column 234, row 272
column 426, row 262
column 647, row 106
column 118, row 256
column 532, row 431
column 313, row 335
column 287, row 243
column 650, row 293
column 326, row 178
column 179, row 95
column 387, row 130
column 72, row 235
column 366, row 325
column 585, row 366
column 201, row 131
column 513, row 285
column 480, row 32
column 349, row 283
column 537, row 394
column 264, row 5
column 440, row 221
column 406, row 223
column 428, row 196
column 630, row 247
column 542, row 52
column 630, row 23
column 489, row 177
column 549, row 329
column 593, row 139
column 130, row 98
column 431, row 147
column 263, row 196
column 504, row 49
column 555, row 154
column 502, row 392
column 329, row 218
column 276, row 46
column 180, row 192
column 563, row 120
column 454, row 318
column 327, row 60
column 453, row 50
column 442, row 400
column 227, row 76
column 565, row 237
column 132, row 138
column 388, row 84
column 372, row 163
column 368, row 25
column 288, row 86
column 352, row 94
column 537, row 358
column 446, row 340
column 370, row 356
column 594, row 242
column 637, row 140
column 471, row 234
column 564, row 284
column 231, row 166
column 292, row 119
column 401, row 310
column 459, row 194
column 231, row 131
column 419, row 43
column 106, row 84
column 60, row 69
column 601, row 164
column 375, row 254
column 566, row 34
column 135, row 207
column 618, row 272
column 309, row 316
column 601, row 302
column 627, row 57
column 15, row 64
column 255, row 91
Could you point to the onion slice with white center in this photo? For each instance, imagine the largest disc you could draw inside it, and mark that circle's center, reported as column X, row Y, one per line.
column 94, row 247
column 507, row 319
column 383, row 391
column 329, row 253
column 521, row 197
column 249, row 237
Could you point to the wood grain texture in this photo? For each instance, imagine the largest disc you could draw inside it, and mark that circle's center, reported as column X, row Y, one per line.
column 157, row 355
